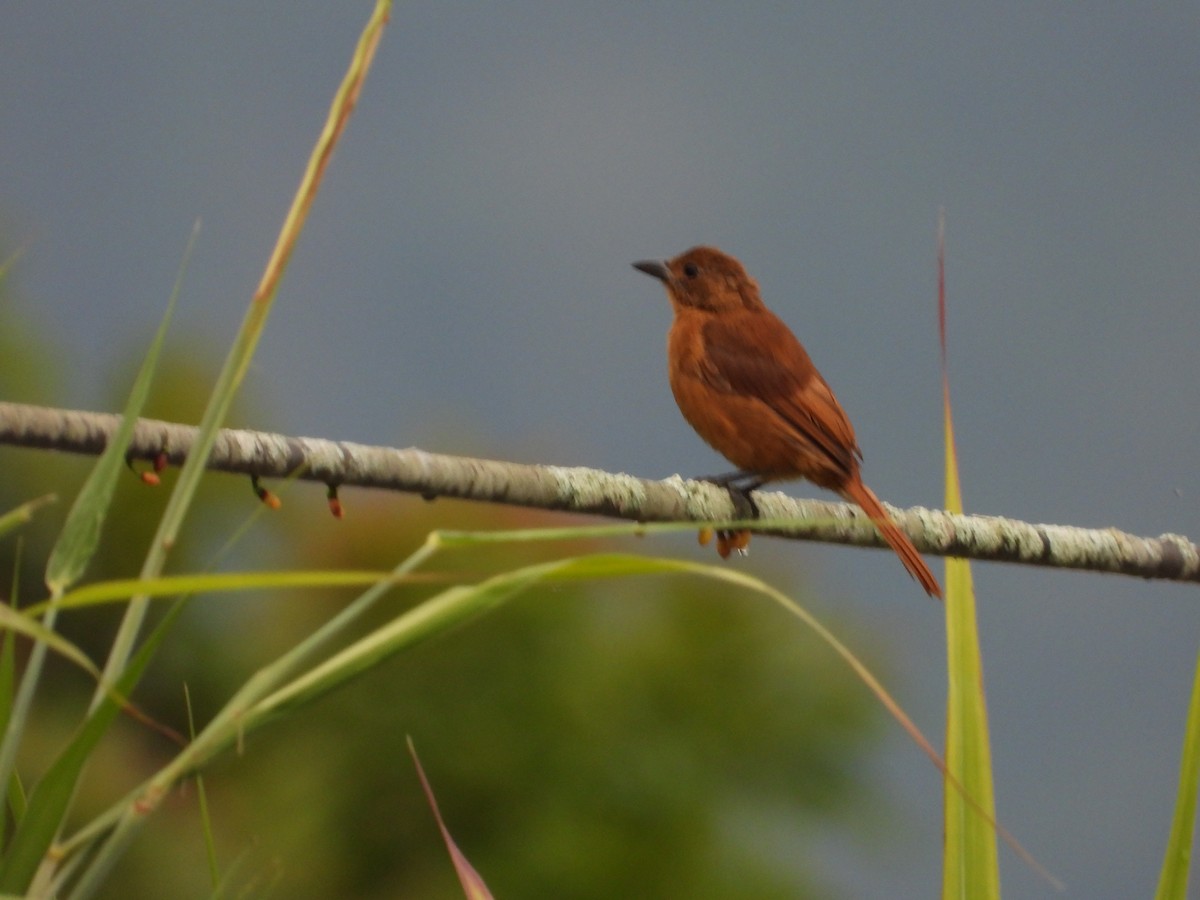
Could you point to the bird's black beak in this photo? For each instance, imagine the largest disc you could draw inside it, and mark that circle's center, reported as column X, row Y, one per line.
column 656, row 267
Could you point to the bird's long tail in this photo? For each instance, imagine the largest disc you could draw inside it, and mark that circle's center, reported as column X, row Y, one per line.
column 896, row 539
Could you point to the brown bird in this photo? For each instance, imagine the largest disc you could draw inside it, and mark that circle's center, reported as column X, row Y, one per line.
column 748, row 387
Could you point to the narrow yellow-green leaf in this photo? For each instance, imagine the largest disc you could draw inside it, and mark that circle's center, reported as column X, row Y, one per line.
column 436, row 615
column 81, row 533
column 14, row 622
column 449, row 538
column 213, row 582
column 970, row 860
column 970, row 863
column 1176, row 868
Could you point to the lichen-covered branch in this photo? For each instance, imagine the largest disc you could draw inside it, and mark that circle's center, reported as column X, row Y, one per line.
column 266, row 455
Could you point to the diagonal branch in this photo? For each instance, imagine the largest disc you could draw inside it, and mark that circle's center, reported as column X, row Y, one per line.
column 1169, row 557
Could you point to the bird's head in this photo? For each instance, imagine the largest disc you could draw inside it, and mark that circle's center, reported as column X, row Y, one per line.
column 704, row 279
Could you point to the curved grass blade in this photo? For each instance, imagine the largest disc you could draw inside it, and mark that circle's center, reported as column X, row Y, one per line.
column 102, row 592
column 1176, row 867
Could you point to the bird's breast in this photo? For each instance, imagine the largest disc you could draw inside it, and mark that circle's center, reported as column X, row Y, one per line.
column 739, row 427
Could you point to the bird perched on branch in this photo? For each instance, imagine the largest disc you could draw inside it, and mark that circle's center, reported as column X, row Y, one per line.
column 746, row 384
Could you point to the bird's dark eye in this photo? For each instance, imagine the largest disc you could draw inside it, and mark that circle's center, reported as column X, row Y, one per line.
column 690, row 270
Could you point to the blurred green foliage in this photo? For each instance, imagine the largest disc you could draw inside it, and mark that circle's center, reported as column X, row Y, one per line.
column 652, row 738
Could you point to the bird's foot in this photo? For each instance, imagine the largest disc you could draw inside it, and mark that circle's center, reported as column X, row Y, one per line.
column 740, row 485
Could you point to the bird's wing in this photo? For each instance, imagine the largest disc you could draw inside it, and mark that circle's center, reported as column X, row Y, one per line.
column 759, row 357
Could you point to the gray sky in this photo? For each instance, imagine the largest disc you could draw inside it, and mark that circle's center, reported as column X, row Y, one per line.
column 464, row 286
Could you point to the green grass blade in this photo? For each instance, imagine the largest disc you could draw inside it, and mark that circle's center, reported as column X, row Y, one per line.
column 81, row 533
column 102, row 592
column 14, row 622
column 1176, row 868
column 435, row 616
column 970, row 864
column 970, row 859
